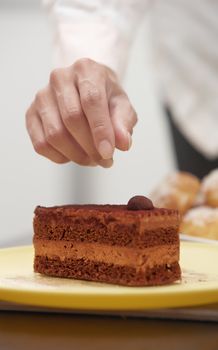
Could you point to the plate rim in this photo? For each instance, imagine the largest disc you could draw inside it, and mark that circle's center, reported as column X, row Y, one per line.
column 60, row 298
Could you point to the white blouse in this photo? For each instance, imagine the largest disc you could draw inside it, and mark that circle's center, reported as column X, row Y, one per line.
column 184, row 41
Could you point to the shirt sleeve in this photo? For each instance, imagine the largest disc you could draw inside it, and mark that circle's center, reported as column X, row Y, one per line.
column 98, row 29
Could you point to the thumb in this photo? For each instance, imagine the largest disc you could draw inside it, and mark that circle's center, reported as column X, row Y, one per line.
column 123, row 118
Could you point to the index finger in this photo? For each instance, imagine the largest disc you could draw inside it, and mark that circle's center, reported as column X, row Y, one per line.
column 95, row 106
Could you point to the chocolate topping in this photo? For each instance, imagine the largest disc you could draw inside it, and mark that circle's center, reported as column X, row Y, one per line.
column 140, row 203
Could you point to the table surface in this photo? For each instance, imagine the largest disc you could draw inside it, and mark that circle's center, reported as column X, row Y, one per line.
column 19, row 330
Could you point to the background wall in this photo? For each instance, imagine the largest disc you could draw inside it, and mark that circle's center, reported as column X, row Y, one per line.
column 27, row 179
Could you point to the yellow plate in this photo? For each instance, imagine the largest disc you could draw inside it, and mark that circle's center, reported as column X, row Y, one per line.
column 19, row 284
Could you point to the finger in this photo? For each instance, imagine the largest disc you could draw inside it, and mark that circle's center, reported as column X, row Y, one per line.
column 95, row 106
column 37, row 136
column 73, row 117
column 123, row 118
column 55, row 132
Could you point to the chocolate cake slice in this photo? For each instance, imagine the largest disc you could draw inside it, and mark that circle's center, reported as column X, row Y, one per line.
column 134, row 244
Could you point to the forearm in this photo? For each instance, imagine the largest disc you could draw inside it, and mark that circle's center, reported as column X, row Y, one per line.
column 101, row 30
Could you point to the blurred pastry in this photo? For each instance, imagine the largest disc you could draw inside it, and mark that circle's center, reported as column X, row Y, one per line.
column 201, row 222
column 177, row 191
column 209, row 189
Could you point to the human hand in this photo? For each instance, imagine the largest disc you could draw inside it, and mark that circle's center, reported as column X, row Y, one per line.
column 82, row 116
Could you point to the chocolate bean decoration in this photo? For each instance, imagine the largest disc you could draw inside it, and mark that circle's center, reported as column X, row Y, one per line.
column 140, row 203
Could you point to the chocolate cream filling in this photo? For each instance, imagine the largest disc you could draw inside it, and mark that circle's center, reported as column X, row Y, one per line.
column 138, row 258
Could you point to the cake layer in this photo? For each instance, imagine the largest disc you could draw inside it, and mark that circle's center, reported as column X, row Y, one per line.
column 108, row 273
column 124, row 256
column 107, row 224
column 133, row 244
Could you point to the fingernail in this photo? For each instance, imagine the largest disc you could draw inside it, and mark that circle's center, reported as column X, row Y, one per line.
column 105, row 149
column 92, row 164
column 106, row 163
column 130, row 140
